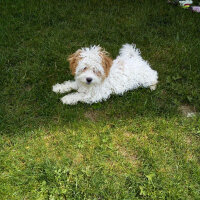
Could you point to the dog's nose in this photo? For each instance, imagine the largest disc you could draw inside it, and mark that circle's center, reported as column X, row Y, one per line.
column 89, row 80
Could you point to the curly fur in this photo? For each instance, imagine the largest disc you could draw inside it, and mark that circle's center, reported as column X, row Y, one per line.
column 97, row 76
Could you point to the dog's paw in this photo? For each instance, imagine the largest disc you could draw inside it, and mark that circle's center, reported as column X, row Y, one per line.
column 68, row 100
column 153, row 87
column 58, row 88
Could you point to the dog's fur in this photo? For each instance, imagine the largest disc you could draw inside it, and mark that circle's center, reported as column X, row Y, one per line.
column 97, row 76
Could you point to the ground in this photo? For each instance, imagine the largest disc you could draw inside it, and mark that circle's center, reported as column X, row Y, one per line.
column 135, row 146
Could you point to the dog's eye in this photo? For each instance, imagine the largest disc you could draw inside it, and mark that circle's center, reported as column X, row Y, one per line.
column 84, row 68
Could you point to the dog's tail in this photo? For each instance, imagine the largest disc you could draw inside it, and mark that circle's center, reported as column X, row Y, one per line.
column 129, row 50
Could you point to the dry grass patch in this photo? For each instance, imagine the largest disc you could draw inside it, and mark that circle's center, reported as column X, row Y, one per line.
column 188, row 111
column 91, row 115
column 128, row 155
column 78, row 158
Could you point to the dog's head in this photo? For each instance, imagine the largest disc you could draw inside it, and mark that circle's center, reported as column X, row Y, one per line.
column 90, row 66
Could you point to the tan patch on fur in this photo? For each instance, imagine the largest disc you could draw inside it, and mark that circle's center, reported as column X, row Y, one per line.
column 106, row 62
column 121, row 65
column 73, row 61
column 98, row 74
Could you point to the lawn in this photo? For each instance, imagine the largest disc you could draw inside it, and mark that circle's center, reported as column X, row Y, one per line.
column 135, row 146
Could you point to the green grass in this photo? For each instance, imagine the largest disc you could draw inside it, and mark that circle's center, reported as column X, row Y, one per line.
column 135, row 146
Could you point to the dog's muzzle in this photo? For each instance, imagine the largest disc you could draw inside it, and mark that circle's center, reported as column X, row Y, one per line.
column 88, row 80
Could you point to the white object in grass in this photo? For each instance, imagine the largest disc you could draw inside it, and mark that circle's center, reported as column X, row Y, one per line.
column 188, row 2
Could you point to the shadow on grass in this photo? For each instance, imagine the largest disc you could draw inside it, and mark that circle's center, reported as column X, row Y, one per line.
column 38, row 108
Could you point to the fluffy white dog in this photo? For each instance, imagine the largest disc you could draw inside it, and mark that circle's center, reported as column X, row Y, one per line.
column 97, row 76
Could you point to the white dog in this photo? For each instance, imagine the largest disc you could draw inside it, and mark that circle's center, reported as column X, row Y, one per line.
column 97, row 76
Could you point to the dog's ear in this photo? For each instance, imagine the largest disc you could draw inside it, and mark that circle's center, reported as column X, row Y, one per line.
column 106, row 62
column 73, row 61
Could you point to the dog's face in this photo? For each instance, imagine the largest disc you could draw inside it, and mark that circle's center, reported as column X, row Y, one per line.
column 90, row 66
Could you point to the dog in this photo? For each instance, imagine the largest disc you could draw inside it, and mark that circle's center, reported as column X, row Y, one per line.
column 97, row 76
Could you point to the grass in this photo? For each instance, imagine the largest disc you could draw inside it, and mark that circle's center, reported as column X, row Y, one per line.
column 135, row 146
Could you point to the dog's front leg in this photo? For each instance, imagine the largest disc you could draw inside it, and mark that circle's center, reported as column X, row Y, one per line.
column 72, row 99
column 67, row 86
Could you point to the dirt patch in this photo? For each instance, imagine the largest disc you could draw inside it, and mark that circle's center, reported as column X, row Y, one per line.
column 48, row 140
column 28, row 88
column 78, row 159
column 188, row 111
column 130, row 157
column 92, row 115
column 128, row 134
